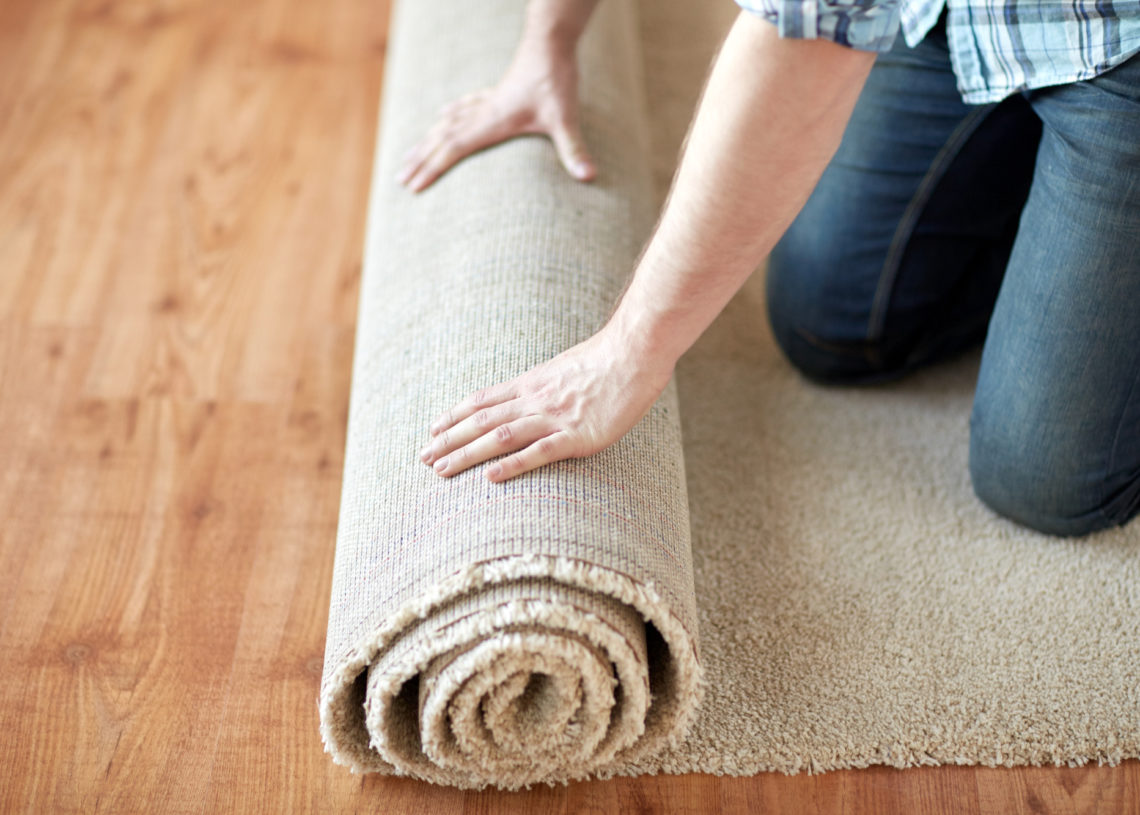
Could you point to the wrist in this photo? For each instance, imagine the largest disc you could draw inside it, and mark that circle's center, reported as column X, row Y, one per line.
column 672, row 298
column 647, row 333
column 557, row 25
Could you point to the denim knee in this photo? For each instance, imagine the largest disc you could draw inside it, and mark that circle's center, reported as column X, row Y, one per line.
column 830, row 361
column 824, row 346
column 1058, row 489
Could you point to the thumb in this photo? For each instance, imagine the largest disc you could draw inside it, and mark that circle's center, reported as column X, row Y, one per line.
column 572, row 151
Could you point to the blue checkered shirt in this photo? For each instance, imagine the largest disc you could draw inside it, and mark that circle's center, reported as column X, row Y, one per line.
column 997, row 47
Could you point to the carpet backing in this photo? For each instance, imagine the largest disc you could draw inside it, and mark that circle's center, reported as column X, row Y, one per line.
column 807, row 583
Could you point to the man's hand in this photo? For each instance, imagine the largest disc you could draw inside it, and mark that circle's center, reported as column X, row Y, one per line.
column 537, row 95
column 771, row 117
column 576, row 404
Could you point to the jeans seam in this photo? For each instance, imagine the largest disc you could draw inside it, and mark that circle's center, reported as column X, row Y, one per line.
column 1112, row 457
column 876, row 322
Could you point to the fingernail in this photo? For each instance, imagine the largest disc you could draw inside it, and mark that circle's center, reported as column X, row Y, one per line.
column 425, row 454
column 441, row 465
column 494, row 471
column 581, row 169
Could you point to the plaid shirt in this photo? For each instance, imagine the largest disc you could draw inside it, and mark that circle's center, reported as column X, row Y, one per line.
column 997, row 47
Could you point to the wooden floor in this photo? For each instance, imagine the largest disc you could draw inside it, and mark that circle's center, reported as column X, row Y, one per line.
column 183, row 186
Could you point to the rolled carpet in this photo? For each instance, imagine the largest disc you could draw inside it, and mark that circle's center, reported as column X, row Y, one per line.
column 855, row 603
column 545, row 628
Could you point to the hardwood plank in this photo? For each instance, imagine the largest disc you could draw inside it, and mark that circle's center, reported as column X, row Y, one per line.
column 183, row 186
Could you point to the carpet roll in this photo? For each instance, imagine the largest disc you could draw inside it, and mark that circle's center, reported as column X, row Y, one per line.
column 539, row 630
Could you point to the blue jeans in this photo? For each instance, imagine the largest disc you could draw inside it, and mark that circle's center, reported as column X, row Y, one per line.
column 939, row 225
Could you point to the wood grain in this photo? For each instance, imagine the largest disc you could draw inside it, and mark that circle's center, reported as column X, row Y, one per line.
column 183, row 185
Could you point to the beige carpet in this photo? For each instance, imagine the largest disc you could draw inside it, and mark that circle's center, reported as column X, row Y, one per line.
column 845, row 601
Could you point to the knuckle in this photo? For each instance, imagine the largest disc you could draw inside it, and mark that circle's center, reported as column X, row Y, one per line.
column 547, row 446
column 455, row 128
column 504, row 434
column 560, row 405
column 482, row 418
column 481, row 397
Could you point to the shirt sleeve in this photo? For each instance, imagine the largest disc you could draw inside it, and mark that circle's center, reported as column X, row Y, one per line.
column 868, row 25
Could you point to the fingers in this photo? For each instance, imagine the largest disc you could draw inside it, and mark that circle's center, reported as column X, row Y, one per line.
column 476, row 121
column 464, row 126
column 488, row 424
column 442, row 158
column 444, row 147
column 482, row 422
column 440, row 153
column 504, row 438
column 414, row 158
column 572, row 152
column 468, row 99
column 431, row 140
column 554, row 447
column 486, row 398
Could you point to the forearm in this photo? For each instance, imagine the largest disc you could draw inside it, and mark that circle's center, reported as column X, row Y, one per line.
column 771, row 117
